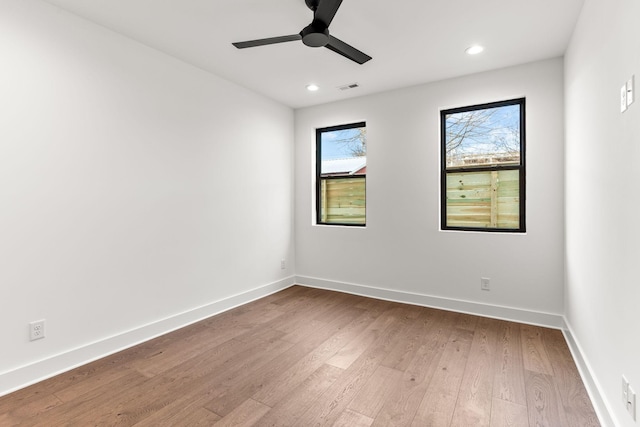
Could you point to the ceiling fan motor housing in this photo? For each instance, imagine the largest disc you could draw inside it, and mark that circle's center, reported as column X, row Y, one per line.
column 315, row 35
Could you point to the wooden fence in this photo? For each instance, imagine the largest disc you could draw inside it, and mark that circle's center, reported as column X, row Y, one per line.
column 343, row 200
column 483, row 199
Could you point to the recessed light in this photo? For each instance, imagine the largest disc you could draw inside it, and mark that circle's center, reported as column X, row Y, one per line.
column 312, row 87
column 474, row 50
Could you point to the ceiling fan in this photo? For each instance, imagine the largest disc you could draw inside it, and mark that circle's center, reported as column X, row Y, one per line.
column 316, row 34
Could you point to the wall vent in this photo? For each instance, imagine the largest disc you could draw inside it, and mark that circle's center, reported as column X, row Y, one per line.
column 349, row 86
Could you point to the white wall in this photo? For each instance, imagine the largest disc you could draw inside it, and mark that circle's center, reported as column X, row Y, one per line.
column 603, row 238
column 133, row 187
column 402, row 249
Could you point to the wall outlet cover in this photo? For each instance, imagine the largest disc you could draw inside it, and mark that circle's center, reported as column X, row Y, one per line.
column 36, row 330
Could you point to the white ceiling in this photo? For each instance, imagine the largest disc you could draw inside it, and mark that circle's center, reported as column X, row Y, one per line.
column 411, row 41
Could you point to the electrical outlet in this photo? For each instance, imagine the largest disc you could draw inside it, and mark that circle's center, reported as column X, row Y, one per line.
column 36, row 330
column 485, row 283
column 283, row 264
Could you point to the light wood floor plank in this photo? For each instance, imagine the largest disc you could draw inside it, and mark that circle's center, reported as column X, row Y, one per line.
column 440, row 399
column 466, row 321
column 185, row 411
column 245, row 415
column 534, row 353
column 176, row 352
column 354, row 349
column 473, row 406
column 380, row 385
column 32, row 408
column 298, row 372
column 542, row 401
column 508, row 414
column 400, row 407
column 292, row 405
column 242, row 385
column 307, row 357
column 408, row 340
column 509, row 368
column 574, row 400
column 350, row 418
column 337, row 397
column 101, row 405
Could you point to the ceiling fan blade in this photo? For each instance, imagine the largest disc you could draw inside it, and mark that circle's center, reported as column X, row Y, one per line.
column 348, row 51
column 271, row 40
column 326, row 11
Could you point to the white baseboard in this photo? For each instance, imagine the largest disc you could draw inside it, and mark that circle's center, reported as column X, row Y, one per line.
column 549, row 320
column 46, row 368
column 591, row 383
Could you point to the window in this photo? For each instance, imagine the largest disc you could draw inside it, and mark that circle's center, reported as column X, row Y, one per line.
column 341, row 175
column 483, row 167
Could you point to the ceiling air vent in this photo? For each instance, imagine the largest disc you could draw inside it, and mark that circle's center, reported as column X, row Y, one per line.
column 349, row 86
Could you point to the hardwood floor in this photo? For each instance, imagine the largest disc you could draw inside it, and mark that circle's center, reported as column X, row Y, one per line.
column 307, row 357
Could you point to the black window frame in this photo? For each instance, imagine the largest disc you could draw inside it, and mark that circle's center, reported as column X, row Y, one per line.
column 319, row 132
column 521, row 167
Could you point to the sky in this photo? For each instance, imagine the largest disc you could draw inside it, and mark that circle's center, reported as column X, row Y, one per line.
column 492, row 135
column 333, row 148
